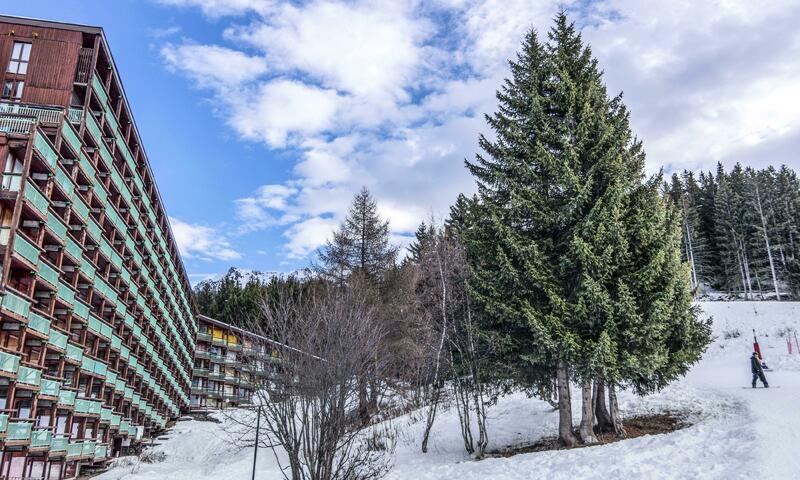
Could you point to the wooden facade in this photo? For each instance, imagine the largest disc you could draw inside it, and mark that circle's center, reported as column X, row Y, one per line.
column 97, row 330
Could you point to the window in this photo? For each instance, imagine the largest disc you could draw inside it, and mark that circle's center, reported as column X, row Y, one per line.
column 20, row 55
column 12, row 89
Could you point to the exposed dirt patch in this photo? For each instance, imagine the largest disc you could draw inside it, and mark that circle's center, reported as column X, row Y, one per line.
column 654, row 424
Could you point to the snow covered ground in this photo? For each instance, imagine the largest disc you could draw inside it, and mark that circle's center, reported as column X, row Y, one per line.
column 736, row 433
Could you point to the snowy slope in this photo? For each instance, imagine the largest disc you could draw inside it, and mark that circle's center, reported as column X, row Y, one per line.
column 737, row 432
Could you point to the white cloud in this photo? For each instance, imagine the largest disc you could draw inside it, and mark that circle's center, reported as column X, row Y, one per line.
column 362, row 48
column 202, row 242
column 213, row 66
column 395, row 100
column 221, row 8
column 278, row 109
column 308, row 235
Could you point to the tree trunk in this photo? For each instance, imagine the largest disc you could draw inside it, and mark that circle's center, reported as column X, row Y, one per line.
column 363, row 403
column 766, row 241
column 587, row 414
column 601, row 413
column 565, row 434
column 616, row 419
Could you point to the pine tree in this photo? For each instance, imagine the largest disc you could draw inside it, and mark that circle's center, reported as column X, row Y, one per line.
column 551, row 243
column 361, row 245
column 425, row 234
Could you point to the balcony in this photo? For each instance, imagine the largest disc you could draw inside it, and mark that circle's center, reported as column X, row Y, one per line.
column 74, row 450
column 67, row 398
column 235, row 347
column 220, row 342
column 29, row 376
column 16, row 124
column 9, row 364
column 58, row 443
column 50, row 388
column 19, row 431
column 3, row 424
column 40, row 439
column 84, row 66
column 49, row 116
column 203, row 337
column 202, row 354
column 200, row 372
column 216, row 375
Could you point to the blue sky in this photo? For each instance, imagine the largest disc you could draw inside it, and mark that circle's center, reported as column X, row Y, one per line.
column 261, row 118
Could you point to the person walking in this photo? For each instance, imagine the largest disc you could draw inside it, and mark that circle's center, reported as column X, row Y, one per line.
column 758, row 372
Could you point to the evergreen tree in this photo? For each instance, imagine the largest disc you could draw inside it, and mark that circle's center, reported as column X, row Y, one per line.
column 551, row 242
column 361, row 245
column 424, row 235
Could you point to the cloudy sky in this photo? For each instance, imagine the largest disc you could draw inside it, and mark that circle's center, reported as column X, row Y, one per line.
column 262, row 117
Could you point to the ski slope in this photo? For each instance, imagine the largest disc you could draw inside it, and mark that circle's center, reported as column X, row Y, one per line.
column 736, row 433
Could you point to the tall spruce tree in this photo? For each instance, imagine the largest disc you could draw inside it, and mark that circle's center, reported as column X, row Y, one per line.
column 551, row 247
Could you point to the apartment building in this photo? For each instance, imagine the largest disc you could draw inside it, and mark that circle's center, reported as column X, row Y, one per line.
column 229, row 364
column 97, row 329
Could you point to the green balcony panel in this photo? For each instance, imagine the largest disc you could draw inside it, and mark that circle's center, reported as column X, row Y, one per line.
column 105, row 414
column 48, row 273
column 38, row 323
column 82, row 405
column 50, row 387
column 3, row 422
column 29, row 376
column 94, row 229
column 100, row 452
column 46, row 150
column 128, row 393
column 116, row 420
column 100, row 368
column 88, row 449
column 19, row 431
column 88, row 364
column 64, row 182
column 111, row 378
column 74, row 450
column 57, row 226
column 67, row 397
column 26, row 249
column 57, row 339
column 94, row 129
column 111, row 120
column 88, row 168
column 72, row 138
column 74, row 352
column 38, row 200
column 41, row 438
column 95, row 408
column 79, row 207
column 116, row 342
column 99, row 89
column 88, row 269
column 82, row 311
column 75, row 250
column 59, row 443
column 16, row 304
column 66, row 293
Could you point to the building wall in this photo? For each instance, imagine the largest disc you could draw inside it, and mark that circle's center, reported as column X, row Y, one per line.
column 97, row 327
column 229, row 365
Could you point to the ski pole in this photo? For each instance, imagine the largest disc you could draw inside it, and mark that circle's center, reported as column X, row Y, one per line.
column 795, row 342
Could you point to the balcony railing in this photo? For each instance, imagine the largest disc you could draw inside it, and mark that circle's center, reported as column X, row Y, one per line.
column 50, row 116
column 84, row 66
column 16, row 124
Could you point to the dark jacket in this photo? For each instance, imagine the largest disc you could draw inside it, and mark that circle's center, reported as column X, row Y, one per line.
column 755, row 365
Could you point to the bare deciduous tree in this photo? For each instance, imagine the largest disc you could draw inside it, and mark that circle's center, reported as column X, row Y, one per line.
column 327, row 340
